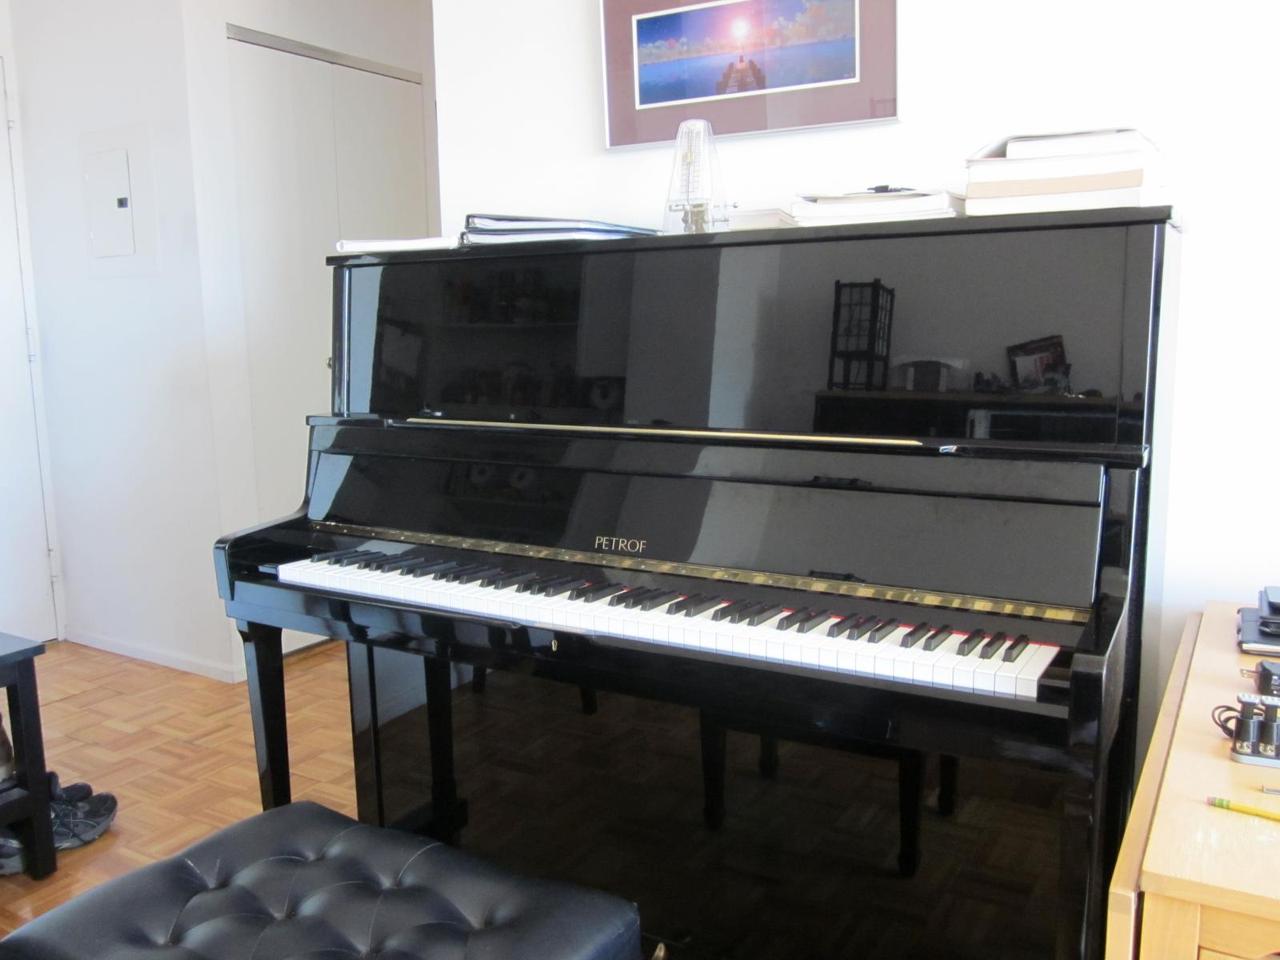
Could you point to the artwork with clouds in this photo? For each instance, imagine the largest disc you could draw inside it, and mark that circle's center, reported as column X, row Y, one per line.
column 743, row 48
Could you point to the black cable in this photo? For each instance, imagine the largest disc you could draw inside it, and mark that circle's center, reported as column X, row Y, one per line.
column 1224, row 718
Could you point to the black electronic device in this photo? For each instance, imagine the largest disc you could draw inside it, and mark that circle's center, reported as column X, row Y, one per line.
column 1267, row 677
column 520, row 435
column 1251, row 638
column 1269, row 611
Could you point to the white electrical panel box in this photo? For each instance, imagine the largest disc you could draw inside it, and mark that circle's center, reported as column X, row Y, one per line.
column 110, row 197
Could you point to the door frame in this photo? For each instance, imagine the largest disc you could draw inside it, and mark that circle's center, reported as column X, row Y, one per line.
column 15, row 189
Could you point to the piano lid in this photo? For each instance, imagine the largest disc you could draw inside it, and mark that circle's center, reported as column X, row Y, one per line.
column 996, row 332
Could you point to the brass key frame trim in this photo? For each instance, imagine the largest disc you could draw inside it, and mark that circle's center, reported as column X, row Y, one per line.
column 709, row 435
column 844, row 588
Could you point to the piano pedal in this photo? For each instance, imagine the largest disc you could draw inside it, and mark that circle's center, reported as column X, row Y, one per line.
column 660, row 953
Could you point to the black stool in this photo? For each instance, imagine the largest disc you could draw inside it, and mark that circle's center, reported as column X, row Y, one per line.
column 25, row 805
column 303, row 881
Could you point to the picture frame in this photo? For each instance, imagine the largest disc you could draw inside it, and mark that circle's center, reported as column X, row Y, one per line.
column 1040, row 365
column 745, row 65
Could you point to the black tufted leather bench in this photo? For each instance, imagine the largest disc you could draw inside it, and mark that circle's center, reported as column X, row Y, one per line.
column 304, row 883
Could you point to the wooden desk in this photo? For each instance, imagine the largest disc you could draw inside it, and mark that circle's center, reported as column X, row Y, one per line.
column 1193, row 882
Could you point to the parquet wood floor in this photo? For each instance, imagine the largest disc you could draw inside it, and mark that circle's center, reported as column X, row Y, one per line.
column 802, row 870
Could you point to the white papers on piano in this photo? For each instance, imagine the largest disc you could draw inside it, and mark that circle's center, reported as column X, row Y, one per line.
column 394, row 246
column 874, row 205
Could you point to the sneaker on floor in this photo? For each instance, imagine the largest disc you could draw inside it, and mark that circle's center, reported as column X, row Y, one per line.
column 10, row 853
column 75, row 824
column 71, row 793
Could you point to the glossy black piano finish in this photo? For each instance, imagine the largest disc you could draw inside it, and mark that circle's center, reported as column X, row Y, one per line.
column 644, row 409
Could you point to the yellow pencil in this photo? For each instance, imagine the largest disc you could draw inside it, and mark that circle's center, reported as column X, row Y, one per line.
column 1242, row 808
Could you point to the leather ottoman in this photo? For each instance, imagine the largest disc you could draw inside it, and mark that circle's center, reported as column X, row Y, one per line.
column 304, row 883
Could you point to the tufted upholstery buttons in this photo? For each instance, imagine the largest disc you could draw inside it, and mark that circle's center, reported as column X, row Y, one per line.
column 302, row 881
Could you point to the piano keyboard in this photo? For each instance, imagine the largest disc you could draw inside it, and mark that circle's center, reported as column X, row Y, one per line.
column 826, row 639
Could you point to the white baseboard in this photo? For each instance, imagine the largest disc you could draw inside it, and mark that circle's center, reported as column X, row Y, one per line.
column 166, row 658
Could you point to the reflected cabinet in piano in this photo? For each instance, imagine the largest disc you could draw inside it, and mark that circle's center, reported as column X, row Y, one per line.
column 622, row 465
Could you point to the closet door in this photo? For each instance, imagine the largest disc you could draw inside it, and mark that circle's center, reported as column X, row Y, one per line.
column 26, row 584
column 323, row 152
column 288, row 206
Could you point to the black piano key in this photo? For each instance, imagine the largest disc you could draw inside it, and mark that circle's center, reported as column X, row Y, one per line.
column 406, row 564
column 937, row 638
column 374, row 562
column 599, row 591
column 882, row 630
column 511, row 579
column 658, row 599
column 729, row 609
column 1016, row 648
column 679, row 606
column 352, row 559
column 333, row 555
column 701, row 605
column 992, row 646
column 842, row 626
column 631, row 597
column 534, row 585
column 556, row 589
column 434, row 567
column 460, row 574
column 478, row 576
column 862, row 629
column 971, row 642
column 792, row 618
column 819, row 617
column 915, row 635
column 849, row 626
column 767, row 612
column 743, row 613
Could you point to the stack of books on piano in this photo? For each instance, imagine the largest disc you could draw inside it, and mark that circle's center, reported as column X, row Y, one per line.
column 1062, row 171
column 486, row 228
column 872, row 205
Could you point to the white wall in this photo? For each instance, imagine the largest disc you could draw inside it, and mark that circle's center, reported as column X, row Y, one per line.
column 145, row 358
column 525, row 134
column 132, row 466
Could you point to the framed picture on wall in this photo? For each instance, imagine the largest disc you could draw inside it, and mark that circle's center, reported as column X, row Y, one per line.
column 745, row 65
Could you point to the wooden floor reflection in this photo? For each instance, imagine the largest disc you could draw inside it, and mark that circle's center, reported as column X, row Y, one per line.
column 803, row 868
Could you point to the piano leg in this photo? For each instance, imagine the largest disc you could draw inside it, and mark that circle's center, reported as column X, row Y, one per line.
column 448, row 812
column 478, row 674
column 910, row 802
column 948, row 773
column 590, row 703
column 769, row 757
column 1082, row 875
column 401, row 711
column 714, row 738
column 264, row 667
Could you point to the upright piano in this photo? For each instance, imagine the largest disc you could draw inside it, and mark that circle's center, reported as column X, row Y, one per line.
column 623, row 465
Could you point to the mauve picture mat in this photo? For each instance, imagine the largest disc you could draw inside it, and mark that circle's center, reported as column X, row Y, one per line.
column 872, row 97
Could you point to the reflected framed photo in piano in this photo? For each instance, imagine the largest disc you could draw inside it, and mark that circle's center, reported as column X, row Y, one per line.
column 1040, row 366
column 745, row 65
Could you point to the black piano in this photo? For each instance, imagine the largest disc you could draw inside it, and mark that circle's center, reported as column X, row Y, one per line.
column 649, row 466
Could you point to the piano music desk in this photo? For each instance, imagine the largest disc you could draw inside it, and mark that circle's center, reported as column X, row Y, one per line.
column 1193, row 882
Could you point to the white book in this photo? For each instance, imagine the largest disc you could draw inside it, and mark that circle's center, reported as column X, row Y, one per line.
column 870, row 204
column 1077, row 142
column 985, row 169
column 1047, row 203
column 391, row 246
column 883, row 217
column 765, row 219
